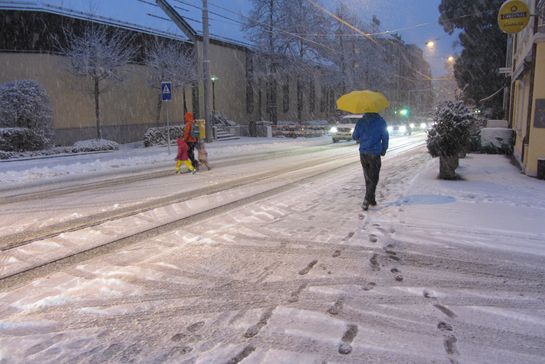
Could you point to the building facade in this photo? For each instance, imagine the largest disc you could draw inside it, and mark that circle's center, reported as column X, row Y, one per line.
column 527, row 94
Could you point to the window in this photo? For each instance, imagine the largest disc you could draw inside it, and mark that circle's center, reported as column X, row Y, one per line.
column 249, row 83
column 286, row 96
column 311, row 97
column 331, row 101
column 323, row 99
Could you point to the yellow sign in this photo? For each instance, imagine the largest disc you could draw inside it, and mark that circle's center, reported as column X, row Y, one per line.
column 514, row 16
column 201, row 123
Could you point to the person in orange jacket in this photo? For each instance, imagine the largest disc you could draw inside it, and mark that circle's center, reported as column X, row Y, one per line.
column 191, row 140
column 183, row 157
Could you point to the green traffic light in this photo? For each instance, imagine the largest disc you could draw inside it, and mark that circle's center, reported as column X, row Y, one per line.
column 404, row 112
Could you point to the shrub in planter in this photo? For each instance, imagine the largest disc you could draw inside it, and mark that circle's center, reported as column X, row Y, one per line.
column 450, row 135
column 20, row 139
column 94, row 145
column 25, row 104
column 158, row 136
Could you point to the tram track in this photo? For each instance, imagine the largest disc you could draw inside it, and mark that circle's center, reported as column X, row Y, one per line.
column 284, row 178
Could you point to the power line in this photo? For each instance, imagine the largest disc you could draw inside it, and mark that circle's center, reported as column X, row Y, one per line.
column 272, row 29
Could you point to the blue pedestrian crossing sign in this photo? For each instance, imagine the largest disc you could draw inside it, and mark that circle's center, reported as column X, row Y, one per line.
column 166, row 91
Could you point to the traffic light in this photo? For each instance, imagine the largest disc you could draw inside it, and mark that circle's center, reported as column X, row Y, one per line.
column 404, row 112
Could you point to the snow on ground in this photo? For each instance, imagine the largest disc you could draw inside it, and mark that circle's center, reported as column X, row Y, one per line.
column 133, row 157
column 494, row 198
column 440, row 271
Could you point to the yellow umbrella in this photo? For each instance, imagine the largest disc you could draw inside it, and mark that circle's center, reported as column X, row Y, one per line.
column 361, row 102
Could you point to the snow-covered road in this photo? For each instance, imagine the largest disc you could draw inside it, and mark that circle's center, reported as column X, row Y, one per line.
column 301, row 276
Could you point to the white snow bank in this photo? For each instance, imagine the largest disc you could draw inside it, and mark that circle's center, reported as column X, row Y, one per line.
column 129, row 159
column 496, row 137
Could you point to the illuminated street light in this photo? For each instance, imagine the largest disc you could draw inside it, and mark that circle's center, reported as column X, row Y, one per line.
column 214, row 78
column 450, row 59
column 430, row 44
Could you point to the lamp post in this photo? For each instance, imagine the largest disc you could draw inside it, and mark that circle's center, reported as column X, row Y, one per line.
column 214, row 78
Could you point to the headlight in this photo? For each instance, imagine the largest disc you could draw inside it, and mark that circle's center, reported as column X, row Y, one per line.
column 390, row 129
column 423, row 126
column 352, row 130
column 411, row 125
column 402, row 129
column 333, row 129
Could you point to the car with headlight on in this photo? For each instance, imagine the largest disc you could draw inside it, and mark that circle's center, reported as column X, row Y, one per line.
column 398, row 130
column 344, row 128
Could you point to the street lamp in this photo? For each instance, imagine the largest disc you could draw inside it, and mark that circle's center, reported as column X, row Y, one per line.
column 430, row 44
column 214, row 78
column 450, row 59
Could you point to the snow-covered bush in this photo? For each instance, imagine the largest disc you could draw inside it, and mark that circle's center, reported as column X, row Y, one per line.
column 158, row 136
column 475, row 134
column 6, row 155
column 450, row 135
column 20, row 140
column 25, row 104
column 93, row 145
column 497, row 140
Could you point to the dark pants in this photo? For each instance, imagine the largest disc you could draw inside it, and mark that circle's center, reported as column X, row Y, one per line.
column 371, row 169
column 191, row 154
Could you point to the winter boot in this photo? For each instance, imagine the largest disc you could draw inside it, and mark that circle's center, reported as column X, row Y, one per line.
column 365, row 205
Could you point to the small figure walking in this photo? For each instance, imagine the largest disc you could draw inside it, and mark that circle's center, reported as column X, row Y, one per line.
column 183, row 157
column 203, row 155
column 191, row 137
column 372, row 135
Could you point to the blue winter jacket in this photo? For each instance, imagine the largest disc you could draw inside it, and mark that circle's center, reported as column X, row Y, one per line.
column 372, row 134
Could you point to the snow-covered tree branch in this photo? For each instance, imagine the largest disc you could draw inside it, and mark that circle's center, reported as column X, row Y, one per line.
column 99, row 54
column 169, row 61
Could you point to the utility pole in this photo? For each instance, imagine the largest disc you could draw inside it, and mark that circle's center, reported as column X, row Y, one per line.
column 206, row 73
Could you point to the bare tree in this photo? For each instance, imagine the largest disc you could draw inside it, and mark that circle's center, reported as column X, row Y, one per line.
column 305, row 27
column 263, row 25
column 172, row 62
column 99, row 54
column 281, row 29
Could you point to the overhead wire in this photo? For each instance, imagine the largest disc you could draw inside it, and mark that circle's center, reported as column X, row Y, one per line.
column 275, row 29
column 271, row 29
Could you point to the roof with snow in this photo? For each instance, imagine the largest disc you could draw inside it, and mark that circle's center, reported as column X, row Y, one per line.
column 140, row 15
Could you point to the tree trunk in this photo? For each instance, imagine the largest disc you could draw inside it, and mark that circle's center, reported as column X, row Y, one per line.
column 271, row 100
column 185, row 100
column 158, row 110
column 97, row 107
column 447, row 167
column 273, row 108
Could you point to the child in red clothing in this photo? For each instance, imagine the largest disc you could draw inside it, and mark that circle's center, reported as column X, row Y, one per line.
column 183, row 156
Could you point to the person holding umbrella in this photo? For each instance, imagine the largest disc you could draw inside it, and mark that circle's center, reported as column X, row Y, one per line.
column 372, row 135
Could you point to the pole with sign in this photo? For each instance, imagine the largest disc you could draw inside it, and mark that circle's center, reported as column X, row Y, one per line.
column 166, row 95
column 513, row 16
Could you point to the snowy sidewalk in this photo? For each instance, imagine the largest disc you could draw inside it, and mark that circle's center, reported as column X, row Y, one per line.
column 493, row 197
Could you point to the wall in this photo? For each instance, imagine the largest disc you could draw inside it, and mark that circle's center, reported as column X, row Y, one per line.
column 127, row 109
column 536, row 148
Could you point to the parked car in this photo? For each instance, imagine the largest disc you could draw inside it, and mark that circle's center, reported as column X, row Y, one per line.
column 344, row 128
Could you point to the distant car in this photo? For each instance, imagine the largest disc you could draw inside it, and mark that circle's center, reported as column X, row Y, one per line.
column 344, row 128
column 399, row 130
